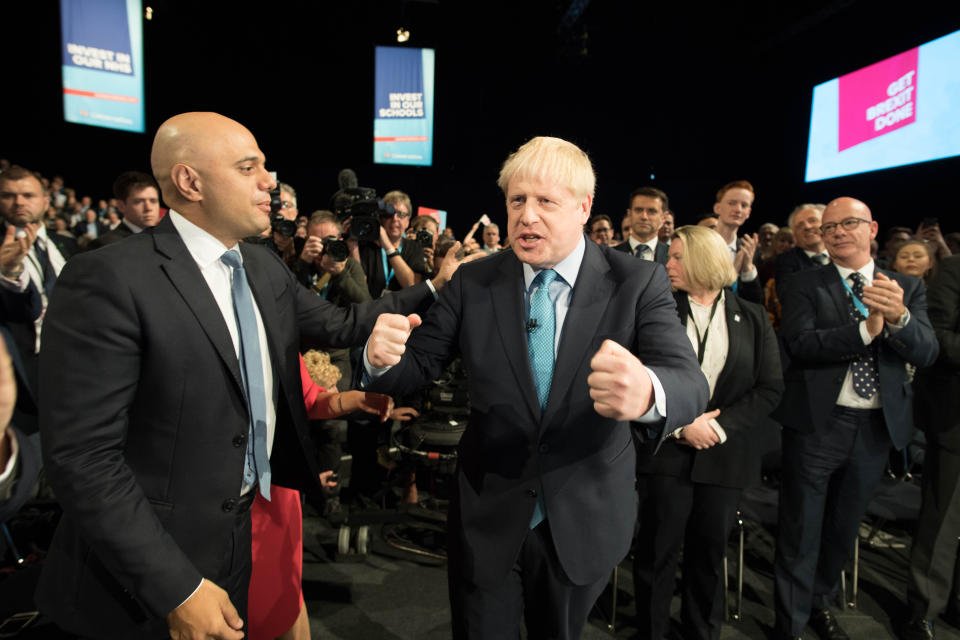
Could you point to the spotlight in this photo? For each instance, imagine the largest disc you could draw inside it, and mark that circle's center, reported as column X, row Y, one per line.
column 148, row 13
column 403, row 34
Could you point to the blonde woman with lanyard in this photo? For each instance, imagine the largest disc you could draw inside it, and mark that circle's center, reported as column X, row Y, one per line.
column 690, row 489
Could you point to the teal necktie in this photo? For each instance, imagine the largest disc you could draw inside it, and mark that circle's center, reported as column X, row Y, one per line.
column 540, row 340
column 251, row 369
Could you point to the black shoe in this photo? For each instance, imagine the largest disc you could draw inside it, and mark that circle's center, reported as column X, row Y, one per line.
column 826, row 626
column 917, row 629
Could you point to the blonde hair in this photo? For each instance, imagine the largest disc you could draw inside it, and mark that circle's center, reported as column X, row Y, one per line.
column 706, row 258
column 553, row 160
column 321, row 370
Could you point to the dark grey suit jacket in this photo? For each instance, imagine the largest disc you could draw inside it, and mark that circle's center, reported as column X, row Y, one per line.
column 584, row 463
column 822, row 341
column 660, row 255
column 144, row 422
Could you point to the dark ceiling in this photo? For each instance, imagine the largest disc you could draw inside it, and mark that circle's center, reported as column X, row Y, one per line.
column 696, row 94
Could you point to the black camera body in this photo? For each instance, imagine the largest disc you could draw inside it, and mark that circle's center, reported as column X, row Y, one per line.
column 362, row 205
column 279, row 224
column 336, row 249
column 425, row 238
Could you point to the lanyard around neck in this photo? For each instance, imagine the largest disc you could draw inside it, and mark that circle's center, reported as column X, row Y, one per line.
column 862, row 308
column 702, row 341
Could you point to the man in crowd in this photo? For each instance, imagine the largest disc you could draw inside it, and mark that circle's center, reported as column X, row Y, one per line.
column 647, row 205
column 600, row 229
column 733, row 206
column 165, row 352
column 808, row 251
column 491, row 238
column 288, row 202
column 708, row 220
column 430, row 225
column 138, row 201
column 933, row 557
column 666, row 229
column 550, row 426
column 90, row 226
column 341, row 281
column 850, row 331
column 390, row 262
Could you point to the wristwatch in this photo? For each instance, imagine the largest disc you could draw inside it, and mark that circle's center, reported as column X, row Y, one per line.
column 395, row 252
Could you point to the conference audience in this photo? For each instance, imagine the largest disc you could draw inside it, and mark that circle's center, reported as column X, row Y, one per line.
column 691, row 484
column 645, row 211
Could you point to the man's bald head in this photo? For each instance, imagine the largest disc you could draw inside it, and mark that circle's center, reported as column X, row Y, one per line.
column 848, row 227
column 211, row 171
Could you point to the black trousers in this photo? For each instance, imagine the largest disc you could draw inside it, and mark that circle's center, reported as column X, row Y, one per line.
column 536, row 591
column 675, row 513
column 933, row 557
column 828, row 479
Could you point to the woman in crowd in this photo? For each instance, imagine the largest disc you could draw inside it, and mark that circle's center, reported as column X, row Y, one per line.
column 690, row 489
column 915, row 258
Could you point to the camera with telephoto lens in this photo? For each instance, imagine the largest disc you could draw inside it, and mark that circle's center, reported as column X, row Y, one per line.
column 364, row 208
column 279, row 224
column 335, row 248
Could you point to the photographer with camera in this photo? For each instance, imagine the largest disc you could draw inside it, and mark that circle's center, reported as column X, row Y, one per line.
column 325, row 265
column 425, row 230
column 390, row 262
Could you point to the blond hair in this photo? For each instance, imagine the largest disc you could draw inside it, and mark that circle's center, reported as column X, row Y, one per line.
column 706, row 259
column 546, row 159
column 321, row 370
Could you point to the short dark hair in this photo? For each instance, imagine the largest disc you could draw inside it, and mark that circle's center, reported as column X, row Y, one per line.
column 708, row 214
column 321, row 216
column 892, row 231
column 736, row 184
column 597, row 218
column 650, row 192
column 130, row 181
column 16, row 172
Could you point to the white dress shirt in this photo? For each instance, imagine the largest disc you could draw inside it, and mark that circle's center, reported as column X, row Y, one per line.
column 652, row 244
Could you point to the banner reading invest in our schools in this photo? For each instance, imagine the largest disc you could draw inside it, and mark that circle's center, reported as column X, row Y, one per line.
column 102, row 44
column 403, row 106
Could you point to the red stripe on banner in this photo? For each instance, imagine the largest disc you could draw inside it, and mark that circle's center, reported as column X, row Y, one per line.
column 101, row 96
column 401, row 139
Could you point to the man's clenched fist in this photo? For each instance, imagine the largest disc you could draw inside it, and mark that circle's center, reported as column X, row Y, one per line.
column 389, row 339
column 619, row 385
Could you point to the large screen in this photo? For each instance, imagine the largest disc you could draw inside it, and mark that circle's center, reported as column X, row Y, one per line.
column 898, row 111
column 102, row 44
column 403, row 106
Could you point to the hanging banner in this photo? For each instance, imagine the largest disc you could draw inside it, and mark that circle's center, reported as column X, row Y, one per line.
column 403, row 106
column 102, row 44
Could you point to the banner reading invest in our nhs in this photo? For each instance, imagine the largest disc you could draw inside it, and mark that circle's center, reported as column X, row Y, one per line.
column 403, row 106
column 103, row 63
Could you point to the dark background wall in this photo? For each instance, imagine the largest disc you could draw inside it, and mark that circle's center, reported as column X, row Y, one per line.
column 696, row 94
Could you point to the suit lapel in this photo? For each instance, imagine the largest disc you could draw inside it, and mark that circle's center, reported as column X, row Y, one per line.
column 186, row 277
column 737, row 334
column 506, row 299
column 591, row 295
column 834, row 284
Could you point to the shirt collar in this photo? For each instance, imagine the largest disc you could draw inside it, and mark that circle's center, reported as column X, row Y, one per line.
column 811, row 254
column 568, row 268
column 137, row 229
column 866, row 271
column 652, row 243
column 204, row 248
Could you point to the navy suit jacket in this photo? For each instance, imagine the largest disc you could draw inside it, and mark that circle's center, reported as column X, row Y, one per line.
column 822, row 341
column 788, row 263
column 583, row 463
column 144, row 422
column 748, row 389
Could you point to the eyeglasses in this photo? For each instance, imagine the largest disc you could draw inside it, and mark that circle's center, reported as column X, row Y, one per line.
column 400, row 214
column 848, row 224
column 286, row 204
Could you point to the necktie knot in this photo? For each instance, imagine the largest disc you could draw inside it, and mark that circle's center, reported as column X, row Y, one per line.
column 857, row 280
column 232, row 259
column 545, row 278
column 821, row 259
column 642, row 251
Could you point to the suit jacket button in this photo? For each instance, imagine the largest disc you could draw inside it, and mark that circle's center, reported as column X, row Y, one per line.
column 532, row 493
column 229, row 504
column 240, row 440
column 543, row 448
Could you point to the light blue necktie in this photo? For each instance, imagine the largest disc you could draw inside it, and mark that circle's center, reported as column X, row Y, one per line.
column 251, row 368
column 540, row 342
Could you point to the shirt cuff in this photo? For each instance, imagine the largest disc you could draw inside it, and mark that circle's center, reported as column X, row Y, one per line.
column 893, row 327
column 18, row 284
column 192, row 594
column 718, row 430
column 659, row 409
column 370, row 373
column 749, row 275
column 8, row 476
column 433, row 290
column 864, row 334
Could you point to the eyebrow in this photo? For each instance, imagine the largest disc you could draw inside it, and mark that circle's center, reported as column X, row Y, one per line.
column 248, row 159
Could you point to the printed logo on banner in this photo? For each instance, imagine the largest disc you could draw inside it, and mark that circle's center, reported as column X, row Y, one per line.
column 877, row 99
column 96, row 35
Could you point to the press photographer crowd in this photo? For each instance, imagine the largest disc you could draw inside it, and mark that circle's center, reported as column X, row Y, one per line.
column 194, row 361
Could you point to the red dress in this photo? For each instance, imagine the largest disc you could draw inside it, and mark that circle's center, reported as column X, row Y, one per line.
column 275, row 594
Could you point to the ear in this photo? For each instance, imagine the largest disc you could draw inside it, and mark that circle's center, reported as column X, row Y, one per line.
column 874, row 228
column 585, row 205
column 716, row 208
column 187, row 182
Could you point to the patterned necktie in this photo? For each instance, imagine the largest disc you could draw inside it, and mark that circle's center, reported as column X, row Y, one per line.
column 251, row 367
column 821, row 260
column 866, row 377
column 540, row 339
column 642, row 252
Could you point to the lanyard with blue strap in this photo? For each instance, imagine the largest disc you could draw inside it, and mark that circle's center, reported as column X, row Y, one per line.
column 862, row 308
column 388, row 271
